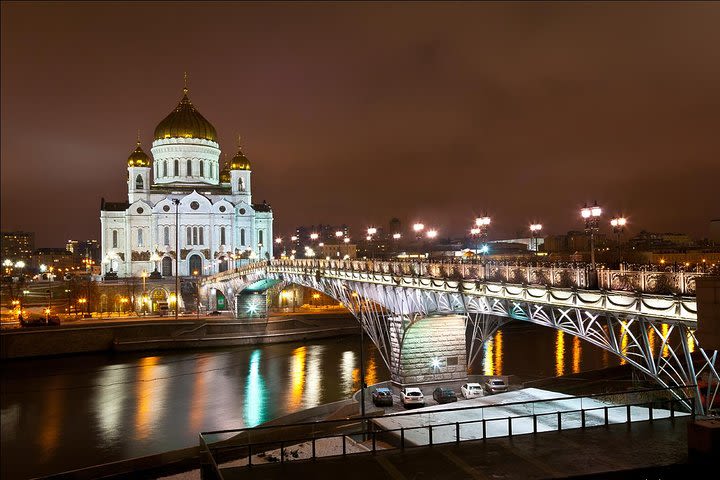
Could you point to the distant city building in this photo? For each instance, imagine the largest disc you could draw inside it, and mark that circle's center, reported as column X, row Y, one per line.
column 216, row 215
column 53, row 257
column 84, row 249
column 647, row 241
column 16, row 246
column 338, row 251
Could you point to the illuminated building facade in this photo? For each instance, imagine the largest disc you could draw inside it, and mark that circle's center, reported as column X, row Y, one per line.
column 215, row 217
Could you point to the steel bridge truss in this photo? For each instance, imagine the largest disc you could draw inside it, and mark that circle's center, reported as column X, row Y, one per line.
column 654, row 336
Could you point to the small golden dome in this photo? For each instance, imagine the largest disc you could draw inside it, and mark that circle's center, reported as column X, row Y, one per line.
column 225, row 172
column 185, row 122
column 240, row 161
column 138, row 158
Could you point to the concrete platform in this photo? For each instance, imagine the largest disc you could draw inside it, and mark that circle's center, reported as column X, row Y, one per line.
column 642, row 450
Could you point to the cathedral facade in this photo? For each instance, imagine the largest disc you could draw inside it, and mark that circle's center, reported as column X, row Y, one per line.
column 182, row 204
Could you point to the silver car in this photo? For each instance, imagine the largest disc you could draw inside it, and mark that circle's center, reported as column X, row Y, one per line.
column 495, row 385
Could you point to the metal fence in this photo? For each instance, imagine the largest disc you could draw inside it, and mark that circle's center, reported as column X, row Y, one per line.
column 244, row 448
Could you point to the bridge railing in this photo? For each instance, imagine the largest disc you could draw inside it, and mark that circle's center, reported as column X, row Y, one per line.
column 659, row 282
column 332, row 438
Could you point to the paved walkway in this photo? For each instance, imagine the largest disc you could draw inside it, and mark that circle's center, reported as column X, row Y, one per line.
column 636, row 451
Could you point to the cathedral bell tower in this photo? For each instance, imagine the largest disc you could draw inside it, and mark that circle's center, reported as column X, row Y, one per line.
column 240, row 176
column 138, row 174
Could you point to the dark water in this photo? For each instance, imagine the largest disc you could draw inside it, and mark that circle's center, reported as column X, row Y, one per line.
column 71, row 412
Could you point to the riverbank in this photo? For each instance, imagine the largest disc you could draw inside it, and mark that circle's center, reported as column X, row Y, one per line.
column 125, row 335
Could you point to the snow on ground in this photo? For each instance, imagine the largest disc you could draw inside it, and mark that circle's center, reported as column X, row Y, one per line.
column 456, row 416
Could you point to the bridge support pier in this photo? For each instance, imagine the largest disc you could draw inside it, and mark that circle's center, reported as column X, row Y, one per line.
column 431, row 350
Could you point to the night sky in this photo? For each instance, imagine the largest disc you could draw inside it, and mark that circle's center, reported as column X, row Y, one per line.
column 358, row 112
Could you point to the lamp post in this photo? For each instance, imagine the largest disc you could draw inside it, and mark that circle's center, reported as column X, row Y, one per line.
column 592, row 222
column 370, row 232
column 535, row 231
column 431, row 234
column 176, row 202
column 618, row 225
column 144, row 294
column 197, row 293
column 482, row 224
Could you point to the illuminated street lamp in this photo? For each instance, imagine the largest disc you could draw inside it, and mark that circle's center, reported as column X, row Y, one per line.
column 418, row 228
column 535, row 231
column 591, row 215
column 278, row 240
column 346, row 240
column 431, row 234
column 314, row 236
column 618, row 225
column 339, row 234
column 480, row 232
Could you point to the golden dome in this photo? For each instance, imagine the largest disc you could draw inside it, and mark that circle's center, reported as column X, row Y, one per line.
column 185, row 122
column 225, row 172
column 240, row 161
column 138, row 158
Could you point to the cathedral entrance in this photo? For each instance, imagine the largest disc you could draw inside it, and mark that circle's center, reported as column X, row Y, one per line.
column 167, row 267
column 223, row 266
column 195, row 264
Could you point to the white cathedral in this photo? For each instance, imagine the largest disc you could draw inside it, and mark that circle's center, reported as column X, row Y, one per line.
column 184, row 187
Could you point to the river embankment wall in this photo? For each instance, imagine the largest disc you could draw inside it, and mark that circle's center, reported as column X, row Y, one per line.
column 168, row 334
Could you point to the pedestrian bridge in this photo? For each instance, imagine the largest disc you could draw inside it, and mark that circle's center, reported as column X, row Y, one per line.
column 430, row 320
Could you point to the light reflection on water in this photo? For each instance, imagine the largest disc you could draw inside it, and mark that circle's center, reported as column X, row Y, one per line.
column 255, row 399
column 560, row 353
column 109, row 402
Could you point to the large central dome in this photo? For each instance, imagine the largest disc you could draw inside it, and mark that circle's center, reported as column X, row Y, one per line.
column 185, row 122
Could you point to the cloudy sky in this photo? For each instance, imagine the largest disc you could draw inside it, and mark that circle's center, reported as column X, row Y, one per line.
column 358, row 112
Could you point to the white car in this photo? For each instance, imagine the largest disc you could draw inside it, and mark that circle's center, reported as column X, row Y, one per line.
column 471, row 390
column 411, row 396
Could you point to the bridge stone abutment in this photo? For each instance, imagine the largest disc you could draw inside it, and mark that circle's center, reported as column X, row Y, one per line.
column 431, row 350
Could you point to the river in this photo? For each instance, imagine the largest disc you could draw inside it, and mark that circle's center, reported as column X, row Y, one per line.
column 71, row 412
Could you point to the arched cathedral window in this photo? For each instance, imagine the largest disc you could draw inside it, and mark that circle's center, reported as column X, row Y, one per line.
column 138, row 182
column 177, row 168
column 166, row 235
column 242, row 237
column 165, row 168
column 114, row 239
column 189, row 168
column 202, row 168
column 241, row 185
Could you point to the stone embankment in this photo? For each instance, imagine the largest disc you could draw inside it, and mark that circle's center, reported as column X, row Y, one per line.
column 166, row 334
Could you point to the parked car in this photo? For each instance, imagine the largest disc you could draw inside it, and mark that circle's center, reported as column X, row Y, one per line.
column 471, row 390
column 495, row 385
column 382, row 397
column 411, row 396
column 444, row 395
column 214, row 313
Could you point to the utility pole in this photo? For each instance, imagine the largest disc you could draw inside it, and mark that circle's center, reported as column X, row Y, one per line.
column 176, row 202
